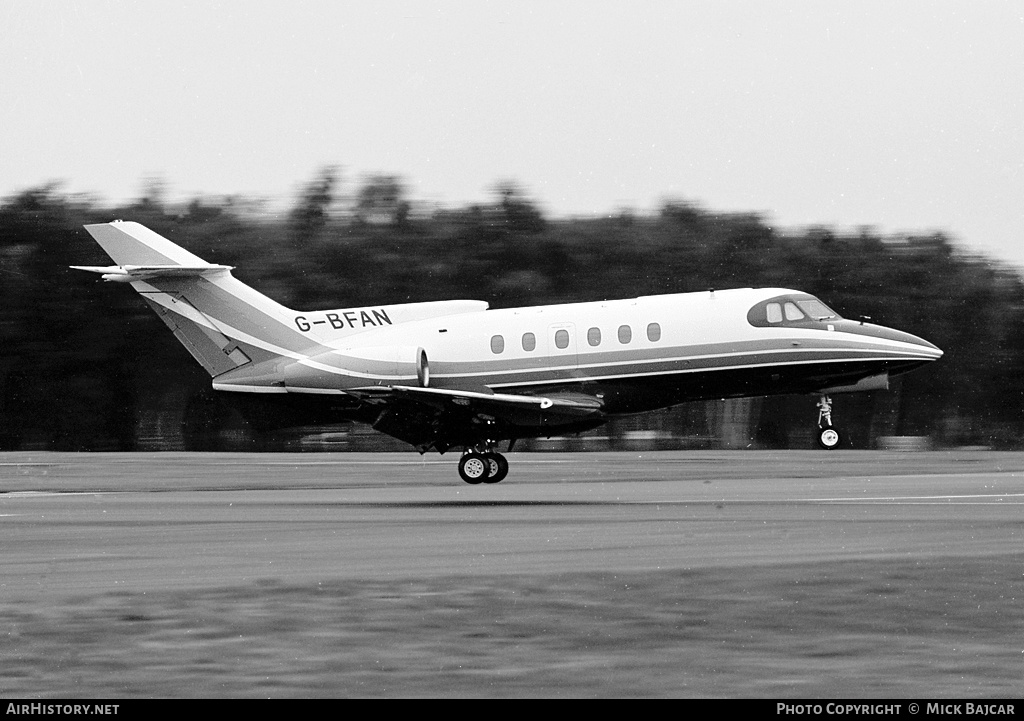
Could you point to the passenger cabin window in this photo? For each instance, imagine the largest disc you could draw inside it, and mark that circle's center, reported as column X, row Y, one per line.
column 797, row 310
column 497, row 344
column 653, row 332
column 625, row 334
column 562, row 339
column 594, row 336
column 529, row 341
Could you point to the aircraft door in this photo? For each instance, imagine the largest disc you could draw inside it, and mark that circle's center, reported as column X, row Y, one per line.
column 562, row 345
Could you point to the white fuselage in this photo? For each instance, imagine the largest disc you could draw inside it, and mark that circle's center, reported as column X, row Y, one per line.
column 689, row 340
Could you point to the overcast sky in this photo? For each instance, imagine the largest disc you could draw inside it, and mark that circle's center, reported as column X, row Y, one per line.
column 904, row 116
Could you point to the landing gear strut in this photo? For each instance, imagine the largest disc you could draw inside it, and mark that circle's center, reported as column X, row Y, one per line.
column 828, row 437
column 482, row 465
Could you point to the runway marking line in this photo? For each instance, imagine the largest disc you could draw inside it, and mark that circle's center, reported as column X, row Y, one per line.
column 38, row 494
column 913, row 498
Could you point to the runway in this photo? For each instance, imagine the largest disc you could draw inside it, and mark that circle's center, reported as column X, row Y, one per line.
column 85, row 523
column 97, row 531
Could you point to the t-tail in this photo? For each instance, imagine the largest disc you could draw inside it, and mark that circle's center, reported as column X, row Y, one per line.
column 245, row 340
column 222, row 322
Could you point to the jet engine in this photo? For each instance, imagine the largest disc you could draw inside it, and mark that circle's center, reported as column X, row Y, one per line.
column 401, row 363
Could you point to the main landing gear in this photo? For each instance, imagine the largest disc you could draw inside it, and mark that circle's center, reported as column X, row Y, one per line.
column 828, row 437
column 482, row 466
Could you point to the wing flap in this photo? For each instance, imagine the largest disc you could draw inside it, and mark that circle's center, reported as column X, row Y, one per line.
column 574, row 405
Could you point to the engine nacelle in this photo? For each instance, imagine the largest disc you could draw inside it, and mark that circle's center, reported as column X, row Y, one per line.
column 397, row 364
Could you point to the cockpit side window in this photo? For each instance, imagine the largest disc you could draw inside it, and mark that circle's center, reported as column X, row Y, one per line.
column 790, row 310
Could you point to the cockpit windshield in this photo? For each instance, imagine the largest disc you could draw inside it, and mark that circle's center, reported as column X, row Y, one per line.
column 790, row 310
column 816, row 309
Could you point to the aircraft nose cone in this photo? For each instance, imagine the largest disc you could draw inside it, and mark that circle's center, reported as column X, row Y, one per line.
column 906, row 342
column 917, row 346
column 928, row 348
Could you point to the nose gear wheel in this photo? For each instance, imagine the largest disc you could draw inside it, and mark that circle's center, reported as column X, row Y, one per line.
column 828, row 438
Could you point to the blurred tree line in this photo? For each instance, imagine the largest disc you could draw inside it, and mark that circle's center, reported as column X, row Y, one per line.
column 85, row 365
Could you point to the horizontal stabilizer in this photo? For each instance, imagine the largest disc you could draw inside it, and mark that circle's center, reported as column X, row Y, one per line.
column 131, row 273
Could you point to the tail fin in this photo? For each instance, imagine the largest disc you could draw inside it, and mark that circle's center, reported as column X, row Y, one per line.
column 222, row 322
column 135, row 244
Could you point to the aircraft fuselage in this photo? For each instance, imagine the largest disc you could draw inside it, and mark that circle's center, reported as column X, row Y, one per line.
column 633, row 355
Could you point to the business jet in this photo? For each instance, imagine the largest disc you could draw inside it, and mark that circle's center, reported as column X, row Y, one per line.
column 454, row 374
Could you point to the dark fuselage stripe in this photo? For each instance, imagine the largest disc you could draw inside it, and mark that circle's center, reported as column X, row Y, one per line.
column 549, row 378
column 499, row 371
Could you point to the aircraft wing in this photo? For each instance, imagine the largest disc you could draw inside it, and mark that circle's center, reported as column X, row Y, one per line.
column 442, row 417
column 567, row 404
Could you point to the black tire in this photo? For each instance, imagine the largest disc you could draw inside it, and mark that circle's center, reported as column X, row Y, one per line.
column 474, row 468
column 829, row 438
column 499, row 467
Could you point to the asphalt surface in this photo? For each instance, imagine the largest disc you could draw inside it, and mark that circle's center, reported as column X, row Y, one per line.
column 73, row 524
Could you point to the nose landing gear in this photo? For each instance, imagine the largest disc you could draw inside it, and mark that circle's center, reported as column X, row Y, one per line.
column 828, row 437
